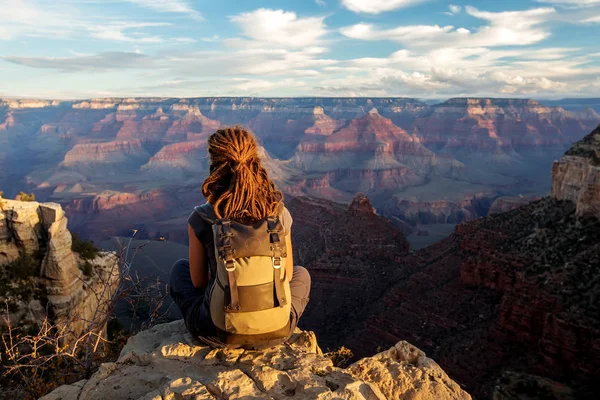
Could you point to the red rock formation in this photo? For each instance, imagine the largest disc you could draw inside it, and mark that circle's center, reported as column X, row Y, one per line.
column 513, row 291
column 118, row 152
column 415, row 211
column 361, row 205
column 189, row 157
column 191, row 124
column 147, row 129
column 488, row 124
column 348, row 253
column 369, row 144
column 323, row 125
column 107, row 127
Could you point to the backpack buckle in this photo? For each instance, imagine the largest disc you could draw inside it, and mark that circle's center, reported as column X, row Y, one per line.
column 276, row 262
column 230, row 265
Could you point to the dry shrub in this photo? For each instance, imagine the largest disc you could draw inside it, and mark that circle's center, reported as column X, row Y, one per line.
column 340, row 357
column 36, row 360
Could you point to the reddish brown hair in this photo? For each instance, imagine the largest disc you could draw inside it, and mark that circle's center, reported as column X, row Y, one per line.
column 238, row 186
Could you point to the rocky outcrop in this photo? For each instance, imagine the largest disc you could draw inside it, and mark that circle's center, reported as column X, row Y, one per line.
column 119, row 152
column 361, row 205
column 576, row 177
column 344, row 248
column 512, row 291
column 180, row 158
column 491, row 124
column 28, row 103
column 323, row 125
column 543, row 259
column 509, row 203
column 165, row 362
column 35, row 254
column 414, row 212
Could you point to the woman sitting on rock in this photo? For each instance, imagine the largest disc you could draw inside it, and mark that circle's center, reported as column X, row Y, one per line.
column 240, row 287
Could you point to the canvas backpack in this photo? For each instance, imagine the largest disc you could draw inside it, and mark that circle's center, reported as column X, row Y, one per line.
column 250, row 300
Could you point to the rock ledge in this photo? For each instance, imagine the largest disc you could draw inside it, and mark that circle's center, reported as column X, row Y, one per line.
column 165, row 362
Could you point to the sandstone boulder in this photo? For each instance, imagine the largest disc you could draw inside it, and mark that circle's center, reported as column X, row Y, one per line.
column 165, row 362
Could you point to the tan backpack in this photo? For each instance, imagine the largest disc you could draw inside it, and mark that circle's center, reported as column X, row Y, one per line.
column 250, row 300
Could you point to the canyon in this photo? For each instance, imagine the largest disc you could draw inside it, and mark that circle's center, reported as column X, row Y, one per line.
column 419, row 164
column 508, row 300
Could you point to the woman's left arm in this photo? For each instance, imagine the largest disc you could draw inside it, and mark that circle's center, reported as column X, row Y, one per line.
column 289, row 261
column 197, row 255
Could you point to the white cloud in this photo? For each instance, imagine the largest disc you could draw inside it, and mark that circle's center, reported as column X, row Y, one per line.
column 592, row 20
column 99, row 62
column 441, row 82
column 320, row 2
column 377, row 6
column 404, row 34
column 509, row 28
column 465, row 71
column 282, row 53
column 116, row 32
column 577, row 3
column 211, row 39
column 59, row 20
column 454, row 9
column 261, row 86
column 169, row 6
column 185, row 40
column 283, row 28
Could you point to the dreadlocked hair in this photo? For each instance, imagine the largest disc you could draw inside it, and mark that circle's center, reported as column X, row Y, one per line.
column 238, row 186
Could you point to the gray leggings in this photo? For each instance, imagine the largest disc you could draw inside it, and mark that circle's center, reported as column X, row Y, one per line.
column 194, row 305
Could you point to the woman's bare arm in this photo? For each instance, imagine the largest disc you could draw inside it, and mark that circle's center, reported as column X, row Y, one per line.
column 289, row 261
column 197, row 255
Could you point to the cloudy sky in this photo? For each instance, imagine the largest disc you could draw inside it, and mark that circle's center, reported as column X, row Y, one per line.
column 416, row 48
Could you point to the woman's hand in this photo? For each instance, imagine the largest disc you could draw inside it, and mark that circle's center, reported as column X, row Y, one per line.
column 197, row 255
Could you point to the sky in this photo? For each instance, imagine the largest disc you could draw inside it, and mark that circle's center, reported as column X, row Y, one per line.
column 427, row 49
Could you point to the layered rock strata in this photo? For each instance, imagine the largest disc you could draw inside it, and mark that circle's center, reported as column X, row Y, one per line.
column 576, row 176
column 491, row 124
column 514, row 291
column 509, row 203
column 34, row 236
column 165, row 362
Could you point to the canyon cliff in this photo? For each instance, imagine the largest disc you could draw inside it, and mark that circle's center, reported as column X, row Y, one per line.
column 512, row 293
column 576, row 177
column 418, row 163
column 41, row 275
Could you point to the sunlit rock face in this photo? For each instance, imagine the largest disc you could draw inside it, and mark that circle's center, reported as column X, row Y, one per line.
column 576, row 176
column 37, row 232
column 166, row 362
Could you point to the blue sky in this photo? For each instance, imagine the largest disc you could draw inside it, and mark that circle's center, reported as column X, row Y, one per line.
column 417, row 48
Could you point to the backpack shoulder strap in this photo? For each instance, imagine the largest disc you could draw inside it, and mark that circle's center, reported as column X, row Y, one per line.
column 207, row 213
